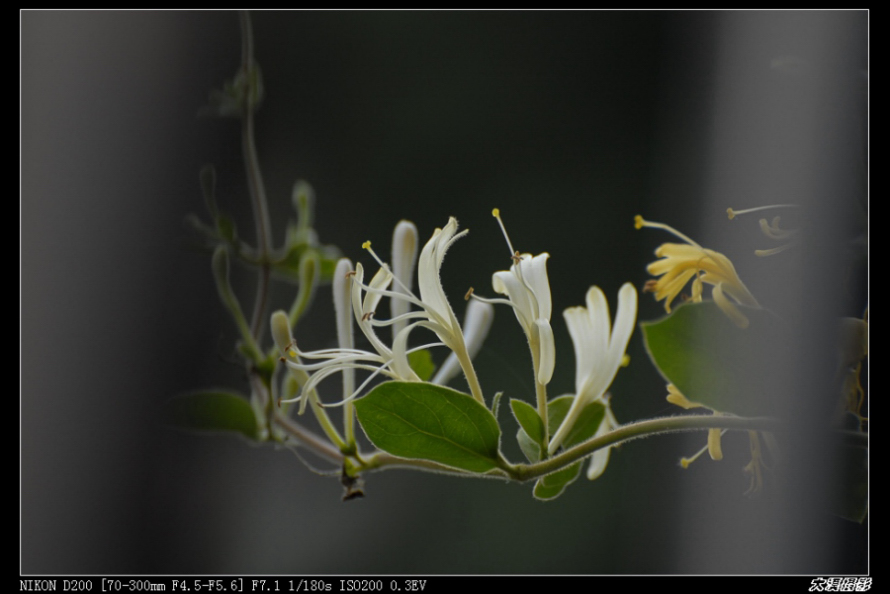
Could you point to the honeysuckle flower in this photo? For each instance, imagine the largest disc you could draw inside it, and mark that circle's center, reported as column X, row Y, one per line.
column 599, row 351
column 680, row 263
column 435, row 312
column 392, row 363
column 528, row 292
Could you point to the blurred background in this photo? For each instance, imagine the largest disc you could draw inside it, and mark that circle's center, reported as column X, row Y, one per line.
column 570, row 122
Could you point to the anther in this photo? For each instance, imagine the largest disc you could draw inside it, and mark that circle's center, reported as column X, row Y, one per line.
column 469, row 292
column 366, row 245
column 496, row 213
column 367, row 316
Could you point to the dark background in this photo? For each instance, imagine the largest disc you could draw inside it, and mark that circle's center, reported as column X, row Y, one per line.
column 569, row 122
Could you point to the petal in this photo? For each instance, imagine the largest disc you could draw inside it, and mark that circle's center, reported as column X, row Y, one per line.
column 738, row 318
column 431, row 292
column 400, row 365
column 534, row 274
column 598, row 310
column 546, row 352
column 600, row 458
column 581, row 331
column 507, row 283
column 625, row 321
column 404, row 258
column 477, row 323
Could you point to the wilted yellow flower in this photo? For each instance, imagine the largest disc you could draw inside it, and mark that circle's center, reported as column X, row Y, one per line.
column 680, row 263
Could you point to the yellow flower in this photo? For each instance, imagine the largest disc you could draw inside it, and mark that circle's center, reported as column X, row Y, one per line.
column 680, row 263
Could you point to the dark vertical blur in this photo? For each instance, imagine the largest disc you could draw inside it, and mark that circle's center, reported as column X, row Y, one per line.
column 569, row 122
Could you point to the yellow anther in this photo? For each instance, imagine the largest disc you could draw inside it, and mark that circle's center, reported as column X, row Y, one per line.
column 730, row 213
column 638, row 224
column 496, row 213
column 625, row 360
column 366, row 245
column 292, row 353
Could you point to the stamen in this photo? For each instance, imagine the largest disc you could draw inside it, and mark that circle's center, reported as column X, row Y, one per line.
column 367, row 316
column 733, row 213
column 640, row 222
column 685, row 462
column 385, row 266
column 468, row 294
column 496, row 213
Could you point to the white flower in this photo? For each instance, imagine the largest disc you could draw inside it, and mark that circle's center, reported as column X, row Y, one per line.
column 528, row 292
column 392, row 363
column 434, row 314
column 599, row 351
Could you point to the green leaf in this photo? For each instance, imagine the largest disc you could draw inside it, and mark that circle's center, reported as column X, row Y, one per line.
column 552, row 486
column 422, row 364
column 557, row 409
column 717, row 364
column 586, row 424
column 212, row 411
column 429, row 422
column 530, row 448
column 529, row 420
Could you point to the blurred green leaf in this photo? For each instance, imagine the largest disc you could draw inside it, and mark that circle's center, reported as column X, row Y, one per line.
column 212, row 411
column 422, row 364
column 429, row 422
column 715, row 363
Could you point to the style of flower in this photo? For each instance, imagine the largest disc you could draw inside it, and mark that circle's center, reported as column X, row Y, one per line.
column 681, row 262
column 599, row 351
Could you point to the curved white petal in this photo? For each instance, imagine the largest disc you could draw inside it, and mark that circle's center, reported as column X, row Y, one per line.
column 431, row 292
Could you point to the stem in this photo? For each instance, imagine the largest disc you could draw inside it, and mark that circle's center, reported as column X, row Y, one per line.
column 254, row 179
column 466, row 364
column 525, row 472
column 541, row 393
column 309, row 440
column 325, row 421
